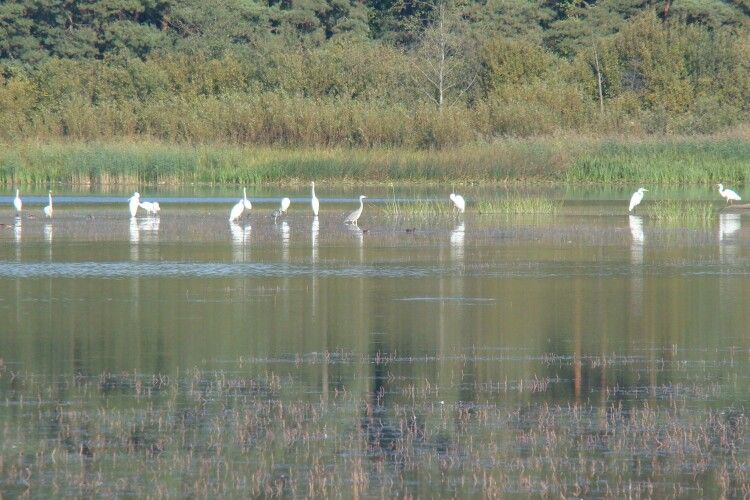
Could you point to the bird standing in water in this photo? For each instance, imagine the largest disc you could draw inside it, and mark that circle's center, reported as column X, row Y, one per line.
column 314, row 202
column 458, row 202
column 636, row 199
column 17, row 203
column 48, row 208
column 728, row 194
column 354, row 216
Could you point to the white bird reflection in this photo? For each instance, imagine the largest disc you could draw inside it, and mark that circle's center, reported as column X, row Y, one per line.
column 48, row 232
column 360, row 235
column 314, row 231
column 17, row 230
column 457, row 242
column 240, row 240
column 144, row 230
column 636, row 244
column 285, row 241
column 729, row 226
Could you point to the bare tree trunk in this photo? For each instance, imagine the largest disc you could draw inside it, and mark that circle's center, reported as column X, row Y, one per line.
column 441, row 67
column 599, row 81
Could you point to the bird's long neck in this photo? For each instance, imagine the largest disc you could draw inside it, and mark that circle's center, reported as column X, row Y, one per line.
column 361, row 203
column 50, row 198
column 313, row 190
column 17, row 192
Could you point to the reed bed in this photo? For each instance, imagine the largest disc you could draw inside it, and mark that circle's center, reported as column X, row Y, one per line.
column 520, row 205
column 148, row 162
column 690, row 160
column 419, row 209
column 266, row 433
column 664, row 161
column 673, row 212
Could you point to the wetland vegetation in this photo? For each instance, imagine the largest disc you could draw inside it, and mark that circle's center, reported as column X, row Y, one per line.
column 230, row 92
column 576, row 160
column 580, row 353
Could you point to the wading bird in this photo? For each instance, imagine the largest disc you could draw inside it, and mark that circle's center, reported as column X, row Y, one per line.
column 285, row 202
column 354, row 216
column 134, row 201
column 18, row 204
column 636, row 199
column 245, row 201
column 314, row 202
column 150, row 207
column 728, row 194
column 240, row 207
column 48, row 208
column 458, row 202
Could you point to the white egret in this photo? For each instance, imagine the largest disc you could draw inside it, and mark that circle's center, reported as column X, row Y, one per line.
column 134, row 202
column 458, row 202
column 240, row 207
column 354, row 216
column 728, row 194
column 636, row 199
column 245, row 201
column 285, row 202
column 237, row 210
column 150, row 207
column 314, row 202
column 17, row 203
column 48, row 208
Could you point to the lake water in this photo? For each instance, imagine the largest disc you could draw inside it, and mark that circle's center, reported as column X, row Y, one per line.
column 587, row 353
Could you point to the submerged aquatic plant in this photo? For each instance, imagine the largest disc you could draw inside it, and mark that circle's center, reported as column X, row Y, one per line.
column 520, row 205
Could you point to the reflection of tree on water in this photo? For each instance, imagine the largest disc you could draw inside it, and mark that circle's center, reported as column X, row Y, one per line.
column 384, row 439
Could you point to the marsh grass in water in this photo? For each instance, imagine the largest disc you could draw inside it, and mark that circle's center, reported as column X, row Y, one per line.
column 673, row 212
column 520, row 205
column 421, row 209
column 696, row 160
column 575, row 159
column 238, row 433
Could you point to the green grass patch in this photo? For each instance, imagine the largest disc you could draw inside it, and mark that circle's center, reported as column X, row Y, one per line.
column 519, row 205
column 696, row 160
column 673, row 212
column 575, row 159
column 424, row 209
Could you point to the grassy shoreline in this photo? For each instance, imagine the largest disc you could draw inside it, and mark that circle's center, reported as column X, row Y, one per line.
column 652, row 160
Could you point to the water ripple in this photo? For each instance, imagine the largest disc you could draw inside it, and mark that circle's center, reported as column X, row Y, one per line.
column 182, row 269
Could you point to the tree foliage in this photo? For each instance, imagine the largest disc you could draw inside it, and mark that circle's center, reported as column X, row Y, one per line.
column 422, row 73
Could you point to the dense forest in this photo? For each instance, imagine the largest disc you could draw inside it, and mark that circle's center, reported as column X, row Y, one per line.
column 375, row 73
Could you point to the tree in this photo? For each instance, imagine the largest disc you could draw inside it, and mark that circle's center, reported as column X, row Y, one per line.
column 442, row 59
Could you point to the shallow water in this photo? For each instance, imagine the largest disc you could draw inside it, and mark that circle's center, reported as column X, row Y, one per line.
column 577, row 354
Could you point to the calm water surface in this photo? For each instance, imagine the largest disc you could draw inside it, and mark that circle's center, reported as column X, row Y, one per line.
column 575, row 354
